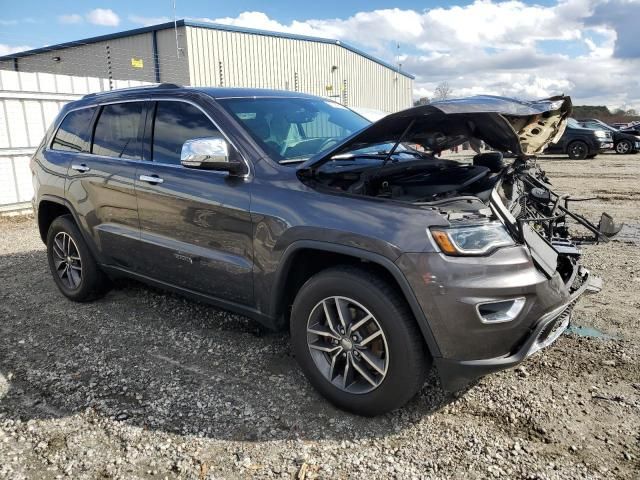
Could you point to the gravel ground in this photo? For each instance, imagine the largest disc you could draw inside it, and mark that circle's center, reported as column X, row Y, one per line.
column 144, row 384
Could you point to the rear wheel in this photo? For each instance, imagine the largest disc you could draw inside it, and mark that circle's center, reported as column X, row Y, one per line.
column 578, row 150
column 357, row 341
column 74, row 269
column 624, row 147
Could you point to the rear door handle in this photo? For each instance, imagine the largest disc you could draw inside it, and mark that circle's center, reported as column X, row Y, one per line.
column 152, row 179
column 80, row 167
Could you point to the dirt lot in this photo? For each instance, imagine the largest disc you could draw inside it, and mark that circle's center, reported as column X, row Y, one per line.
column 142, row 384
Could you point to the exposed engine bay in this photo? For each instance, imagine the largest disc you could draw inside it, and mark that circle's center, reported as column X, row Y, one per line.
column 397, row 158
column 419, row 181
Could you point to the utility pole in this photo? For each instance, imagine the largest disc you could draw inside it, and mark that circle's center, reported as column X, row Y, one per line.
column 175, row 28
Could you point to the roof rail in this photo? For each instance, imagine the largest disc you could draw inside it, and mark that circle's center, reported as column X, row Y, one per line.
column 127, row 89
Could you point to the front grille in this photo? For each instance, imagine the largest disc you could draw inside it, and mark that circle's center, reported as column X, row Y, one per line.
column 546, row 331
column 521, row 208
column 555, row 327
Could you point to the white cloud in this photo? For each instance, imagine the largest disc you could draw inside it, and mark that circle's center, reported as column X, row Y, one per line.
column 506, row 48
column 70, row 18
column 13, row 21
column 585, row 48
column 104, row 17
column 141, row 20
column 9, row 49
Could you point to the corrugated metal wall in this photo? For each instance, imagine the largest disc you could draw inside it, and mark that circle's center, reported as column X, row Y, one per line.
column 29, row 102
column 214, row 57
column 225, row 58
column 126, row 58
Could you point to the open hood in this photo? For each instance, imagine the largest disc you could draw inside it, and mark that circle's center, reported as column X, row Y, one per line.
column 506, row 124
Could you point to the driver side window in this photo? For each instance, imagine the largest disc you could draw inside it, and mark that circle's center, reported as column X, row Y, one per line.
column 175, row 123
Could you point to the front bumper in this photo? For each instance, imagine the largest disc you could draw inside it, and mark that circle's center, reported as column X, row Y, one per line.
column 606, row 145
column 457, row 374
column 448, row 290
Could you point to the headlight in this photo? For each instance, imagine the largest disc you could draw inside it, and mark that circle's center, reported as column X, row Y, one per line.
column 600, row 133
column 473, row 239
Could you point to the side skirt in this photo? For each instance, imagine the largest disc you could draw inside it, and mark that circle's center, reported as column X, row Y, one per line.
column 252, row 313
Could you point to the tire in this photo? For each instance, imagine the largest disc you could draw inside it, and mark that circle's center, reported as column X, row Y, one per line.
column 398, row 352
column 83, row 280
column 624, row 147
column 577, row 150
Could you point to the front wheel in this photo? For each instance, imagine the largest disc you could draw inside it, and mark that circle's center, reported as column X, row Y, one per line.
column 624, row 147
column 357, row 341
column 578, row 150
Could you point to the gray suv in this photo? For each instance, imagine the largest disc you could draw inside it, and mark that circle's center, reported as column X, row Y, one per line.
column 381, row 258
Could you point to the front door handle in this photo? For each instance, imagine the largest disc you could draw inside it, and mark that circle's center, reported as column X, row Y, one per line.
column 152, row 179
column 80, row 167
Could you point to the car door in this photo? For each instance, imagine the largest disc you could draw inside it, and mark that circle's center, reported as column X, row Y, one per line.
column 195, row 224
column 101, row 183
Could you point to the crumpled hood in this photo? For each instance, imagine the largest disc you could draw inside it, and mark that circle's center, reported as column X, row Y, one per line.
column 506, row 124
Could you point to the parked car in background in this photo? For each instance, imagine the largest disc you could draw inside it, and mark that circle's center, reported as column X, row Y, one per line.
column 633, row 128
column 381, row 260
column 623, row 141
column 579, row 142
column 620, row 125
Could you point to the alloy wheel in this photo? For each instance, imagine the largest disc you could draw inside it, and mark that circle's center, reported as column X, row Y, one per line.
column 347, row 345
column 623, row 147
column 578, row 150
column 67, row 261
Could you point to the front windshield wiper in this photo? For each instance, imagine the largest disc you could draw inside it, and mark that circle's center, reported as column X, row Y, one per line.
column 379, row 155
column 293, row 160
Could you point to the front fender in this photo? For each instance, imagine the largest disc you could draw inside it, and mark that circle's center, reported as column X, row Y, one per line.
column 279, row 280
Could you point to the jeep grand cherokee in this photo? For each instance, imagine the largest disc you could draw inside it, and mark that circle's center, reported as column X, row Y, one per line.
column 379, row 257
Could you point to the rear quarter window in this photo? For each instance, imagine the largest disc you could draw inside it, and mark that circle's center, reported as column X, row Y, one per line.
column 73, row 133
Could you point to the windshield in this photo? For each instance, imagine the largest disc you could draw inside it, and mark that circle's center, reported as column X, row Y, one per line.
column 291, row 130
column 596, row 125
column 573, row 123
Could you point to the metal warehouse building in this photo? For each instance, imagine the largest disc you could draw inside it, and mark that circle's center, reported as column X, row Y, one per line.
column 206, row 54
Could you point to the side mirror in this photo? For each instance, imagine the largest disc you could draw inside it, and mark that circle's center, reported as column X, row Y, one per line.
column 210, row 153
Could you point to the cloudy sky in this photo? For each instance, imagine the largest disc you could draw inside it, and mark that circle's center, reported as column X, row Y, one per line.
column 589, row 49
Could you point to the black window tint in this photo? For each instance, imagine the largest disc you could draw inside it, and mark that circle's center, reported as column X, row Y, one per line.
column 175, row 123
column 72, row 134
column 117, row 131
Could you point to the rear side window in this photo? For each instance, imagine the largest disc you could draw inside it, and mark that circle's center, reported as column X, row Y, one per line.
column 175, row 123
column 72, row 134
column 117, row 132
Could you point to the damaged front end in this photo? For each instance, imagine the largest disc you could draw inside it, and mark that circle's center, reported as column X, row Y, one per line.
column 525, row 200
column 399, row 158
column 493, row 205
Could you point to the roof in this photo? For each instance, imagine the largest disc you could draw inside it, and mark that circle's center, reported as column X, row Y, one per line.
column 235, row 92
column 214, row 92
column 172, row 90
column 212, row 26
